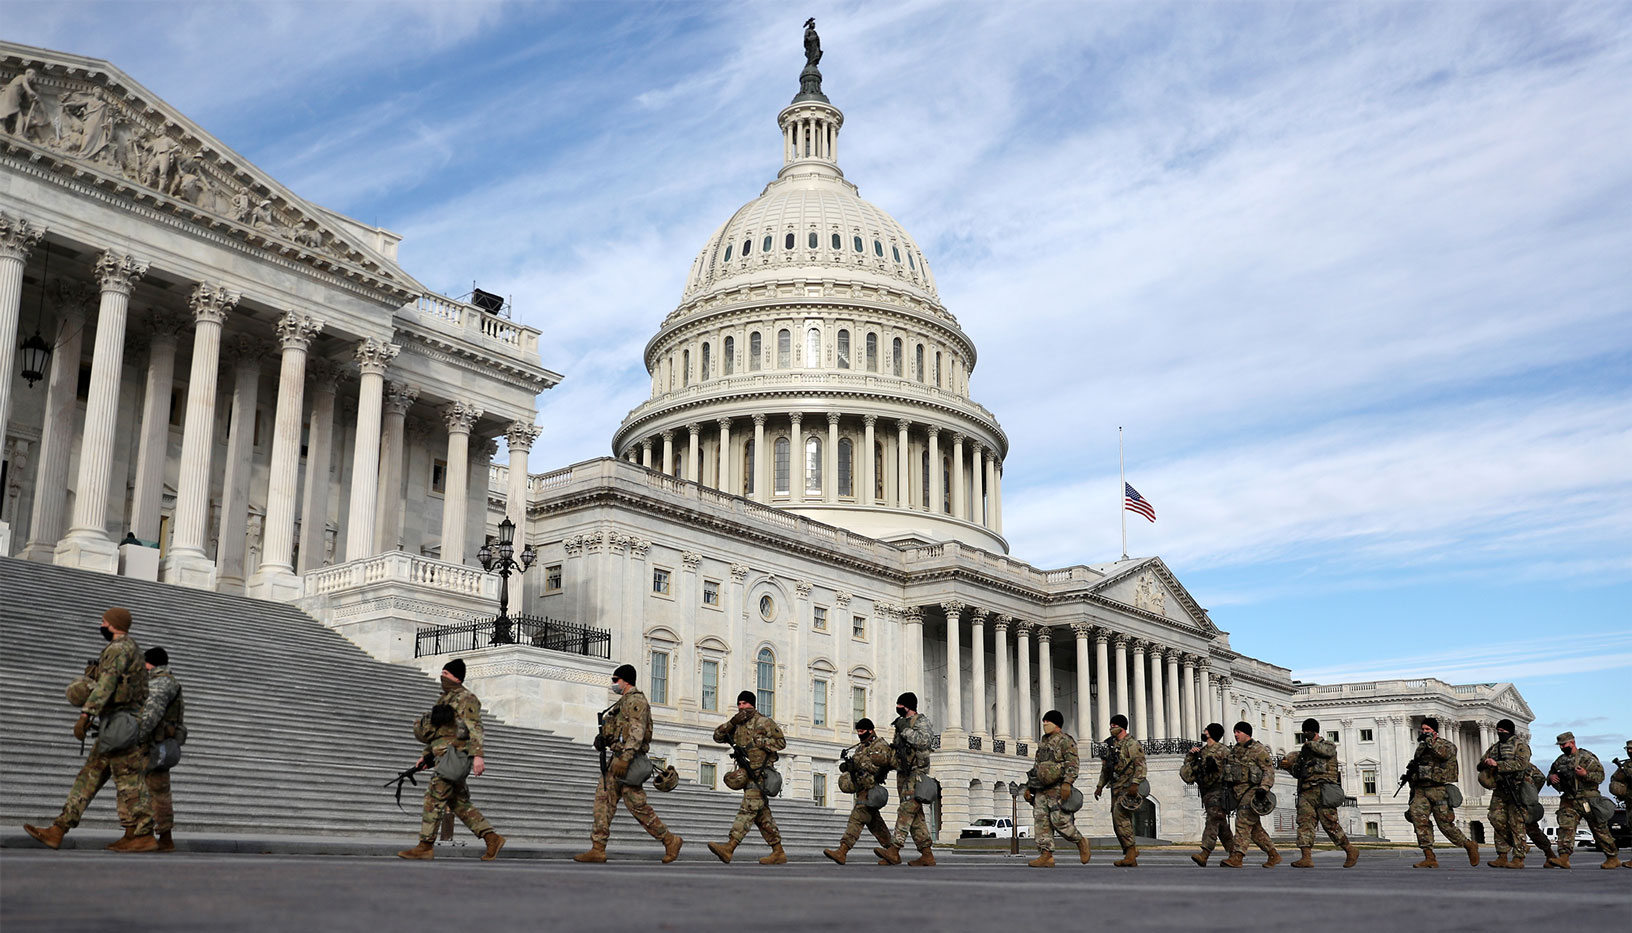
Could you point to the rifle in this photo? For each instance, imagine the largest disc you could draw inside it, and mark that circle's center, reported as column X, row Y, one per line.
column 740, row 756
column 407, row 774
column 1404, row 780
column 600, row 736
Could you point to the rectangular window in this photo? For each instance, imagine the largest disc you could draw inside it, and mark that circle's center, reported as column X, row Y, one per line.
column 858, row 704
column 1374, row 829
column 783, row 466
column 858, row 626
column 552, row 578
column 1365, row 735
column 1368, row 780
column 818, row 702
column 784, row 349
column 660, row 677
column 439, row 476
column 872, row 353
column 711, row 592
column 660, row 581
column 819, row 618
column 844, row 349
column 818, row 788
column 711, row 685
column 707, row 774
column 1332, row 736
column 755, row 351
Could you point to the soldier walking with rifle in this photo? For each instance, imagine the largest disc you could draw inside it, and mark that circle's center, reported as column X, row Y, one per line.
column 1250, row 773
column 1620, row 784
column 1577, row 773
column 913, row 786
column 754, row 739
column 862, row 770
column 1051, row 791
column 1504, row 770
column 1204, row 767
column 625, row 734
column 1123, row 771
column 1432, row 775
column 1314, row 764
column 452, row 733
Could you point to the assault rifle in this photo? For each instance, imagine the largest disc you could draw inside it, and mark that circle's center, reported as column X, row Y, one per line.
column 600, row 736
column 740, row 756
column 407, row 774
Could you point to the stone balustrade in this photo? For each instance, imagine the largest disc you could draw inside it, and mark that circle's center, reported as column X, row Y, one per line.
column 402, row 568
column 475, row 322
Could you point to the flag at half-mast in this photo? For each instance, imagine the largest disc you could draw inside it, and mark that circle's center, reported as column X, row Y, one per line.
column 1134, row 502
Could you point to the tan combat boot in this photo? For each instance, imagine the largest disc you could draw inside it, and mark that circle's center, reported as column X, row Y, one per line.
column 1428, row 860
column 1563, row 860
column 142, row 843
column 723, row 851
column 1234, row 861
column 1043, row 860
column 425, row 850
column 495, row 842
column 1308, row 859
column 166, row 843
column 1614, row 861
column 1515, row 863
column 888, row 855
column 1473, row 853
column 1274, row 857
column 671, row 847
column 115, row 845
column 837, row 855
column 595, row 855
column 1352, row 853
column 777, row 856
column 1085, row 849
column 51, row 836
column 1129, row 859
column 1499, row 862
column 926, row 857
column 1200, row 858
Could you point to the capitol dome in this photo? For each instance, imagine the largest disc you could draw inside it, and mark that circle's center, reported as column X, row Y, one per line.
column 811, row 367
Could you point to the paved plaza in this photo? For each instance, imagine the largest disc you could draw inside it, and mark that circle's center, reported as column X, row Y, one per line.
column 88, row 891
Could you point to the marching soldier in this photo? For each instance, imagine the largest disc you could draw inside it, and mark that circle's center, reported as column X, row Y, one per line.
column 1432, row 768
column 626, row 731
column 1577, row 773
column 866, row 768
column 455, row 722
column 163, row 720
column 112, row 692
column 1250, row 770
column 1506, row 765
column 1123, row 771
column 913, row 736
column 1621, row 786
column 1056, row 773
column 1204, row 767
column 754, row 739
column 1315, row 765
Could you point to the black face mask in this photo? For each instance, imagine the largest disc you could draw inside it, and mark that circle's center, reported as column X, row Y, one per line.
column 1423, row 737
column 865, row 737
column 901, row 711
column 107, row 633
column 1504, row 736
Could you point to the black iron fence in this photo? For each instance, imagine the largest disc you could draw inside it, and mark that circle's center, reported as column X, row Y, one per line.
column 533, row 631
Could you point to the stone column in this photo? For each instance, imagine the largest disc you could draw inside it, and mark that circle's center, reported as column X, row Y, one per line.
column 399, row 398
column 796, row 457
column 1224, row 716
column 519, row 439
column 1102, row 676
column 1139, row 709
column 1175, row 703
column 991, row 491
column 977, row 501
column 460, row 418
column 912, row 633
column 869, row 479
column 668, row 452
column 1157, row 726
column 186, row 563
column 762, row 461
column 722, row 474
column 997, row 496
column 245, row 354
column 1187, row 701
column 903, row 489
column 694, row 460
column 954, row 667
column 1045, row 670
column 153, row 447
column 1204, row 709
column 57, row 435
column 977, row 673
column 830, row 482
column 935, row 492
column 314, row 507
column 1122, row 677
column 1000, row 632
column 18, row 237
column 275, row 578
column 958, row 508
column 86, row 545
column 1027, row 730
column 646, row 453
column 1085, row 718
column 373, row 358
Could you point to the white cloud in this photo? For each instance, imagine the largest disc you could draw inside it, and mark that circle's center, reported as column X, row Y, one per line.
column 1505, row 661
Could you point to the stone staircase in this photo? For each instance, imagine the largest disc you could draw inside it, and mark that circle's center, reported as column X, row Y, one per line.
column 292, row 729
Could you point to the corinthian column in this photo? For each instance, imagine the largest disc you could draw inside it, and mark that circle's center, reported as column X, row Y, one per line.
column 399, row 397
column 1188, row 699
column 903, row 489
column 796, row 454
column 246, row 355
column 959, row 510
column 912, row 633
column 694, row 460
column 762, row 458
column 954, row 666
column 57, row 434
column 1175, row 702
column 1085, row 718
column 153, row 449
column 275, row 578
column 830, row 456
column 977, row 501
column 722, row 471
column 86, row 545
column 373, row 358
column 314, row 506
column 519, row 438
column 1157, row 727
column 460, row 418
column 869, row 478
column 1102, row 676
column 1138, row 712
column 186, row 563
column 1204, row 700
column 977, row 673
column 936, row 499
column 1000, row 631
column 1121, row 678
column 18, row 238
column 1022, row 677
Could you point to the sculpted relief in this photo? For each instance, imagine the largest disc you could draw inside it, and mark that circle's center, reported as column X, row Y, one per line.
column 1149, row 595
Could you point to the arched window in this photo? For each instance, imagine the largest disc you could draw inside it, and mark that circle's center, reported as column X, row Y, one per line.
column 784, row 348
column 813, row 465
column 765, row 247
column 847, row 486
column 706, row 360
column 781, row 486
column 671, row 373
column 878, row 249
column 895, row 356
column 918, row 370
column 748, row 467
column 747, row 247
column 813, row 347
column 838, row 241
column 896, row 252
column 872, row 353
column 787, row 242
column 813, row 240
column 910, row 264
column 728, row 356
column 937, row 372
column 685, row 367
column 844, row 349
column 755, row 351
column 856, row 242
column 728, row 252
column 925, row 496
column 767, row 682
column 946, row 485
column 878, row 470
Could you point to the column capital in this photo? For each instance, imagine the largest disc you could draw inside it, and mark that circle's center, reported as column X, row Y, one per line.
column 521, row 435
column 1137, row 645
column 842, row 598
column 75, row 298
column 953, row 609
column 694, row 429
column 374, row 356
column 296, row 331
column 803, row 587
column 19, row 236
column 724, row 424
column 934, row 430
column 242, row 350
column 796, row 417
column 1044, row 633
column 399, row 397
column 1000, row 624
column 869, row 420
column 1203, row 665
column 759, row 419
column 164, row 326
column 958, row 437
column 739, row 572
column 646, row 444
column 1188, row 659
column 1224, row 680
column 913, row 615
column 483, row 449
column 1154, row 650
column 460, row 417
column 668, row 436
column 975, row 446
column 903, row 425
column 1022, row 628
column 209, row 303
column 832, row 419
column 1121, row 641
column 325, row 375
column 1102, row 635
column 691, row 560
column 1081, row 630
column 118, row 272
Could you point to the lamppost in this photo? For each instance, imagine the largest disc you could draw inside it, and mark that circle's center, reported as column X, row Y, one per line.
column 501, row 560
column 1014, row 819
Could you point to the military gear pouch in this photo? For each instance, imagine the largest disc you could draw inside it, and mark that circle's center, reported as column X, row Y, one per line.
column 878, row 798
column 453, row 766
column 736, row 779
column 1529, row 795
column 847, row 784
column 927, row 790
column 78, row 692
column 1453, row 796
column 1332, row 796
column 1263, row 803
column 1072, row 802
column 770, row 782
column 119, row 732
column 1535, row 812
column 166, row 755
column 667, row 779
column 640, row 768
column 1487, row 778
column 1601, row 808
column 1228, row 800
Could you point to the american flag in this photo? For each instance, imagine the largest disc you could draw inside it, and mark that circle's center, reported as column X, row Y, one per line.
column 1134, row 502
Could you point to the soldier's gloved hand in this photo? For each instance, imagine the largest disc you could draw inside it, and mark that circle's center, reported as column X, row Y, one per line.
column 1065, row 790
column 81, row 725
column 619, row 767
column 1098, row 791
column 1029, row 796
column 600, row 743
column 741, row 717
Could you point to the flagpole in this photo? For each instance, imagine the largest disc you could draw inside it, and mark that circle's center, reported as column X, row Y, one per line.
column 1121, row 501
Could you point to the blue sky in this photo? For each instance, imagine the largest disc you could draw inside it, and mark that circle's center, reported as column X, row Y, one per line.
column 1353, row 277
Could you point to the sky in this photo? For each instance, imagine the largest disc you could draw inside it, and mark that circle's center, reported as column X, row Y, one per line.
column 1352, row 277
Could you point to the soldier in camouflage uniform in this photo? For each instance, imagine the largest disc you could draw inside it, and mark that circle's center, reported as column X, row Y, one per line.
column 754, row 739
column 1506, row 765
column 1315, row 764
column 913, row 737
column 626, row 731
column 867, row 765
column 163, row 719
column 1577, row 773
column 454, row 722
column 1123, row 771
column 1056, row 773
column 1250, row 769
column 116, row 683
column 1204, row 767
column 1620, row 785
column 1432, row 767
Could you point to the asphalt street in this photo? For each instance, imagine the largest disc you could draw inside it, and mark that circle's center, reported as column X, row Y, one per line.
column 93, row 891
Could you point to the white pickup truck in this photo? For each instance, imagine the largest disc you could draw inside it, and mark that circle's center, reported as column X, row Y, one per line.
column 989, row 828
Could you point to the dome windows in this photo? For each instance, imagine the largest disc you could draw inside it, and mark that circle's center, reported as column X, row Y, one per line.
column 747, row 247
column 787, row 242
column 707, row 370
column 878, row 249
column 872, row 353
column 813, row 465
column 728, row 252
column 784, row 348
column 896, row 251
column 814, row 239
column 781, row 467
column 813, row 347
column 755, row 351
column 910, row 264
column 895, row 356
column 847, row 486
column 728, row 356
column 765, row 247
column 838, row 241
column 918, row 370
column 844, row 349
column 856, row 241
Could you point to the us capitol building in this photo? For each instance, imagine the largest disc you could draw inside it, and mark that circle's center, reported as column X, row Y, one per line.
column 213, row 382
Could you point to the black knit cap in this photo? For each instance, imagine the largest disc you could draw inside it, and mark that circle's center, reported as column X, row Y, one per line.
column 1244, row 727
column 1506, row 725
column 157, row 657
column 747, row 696
column 1056, row 717
column 864, row 725
column 1431, row 722
column 1216, row 730
column 625, row 673
column 1119, row 721
column 456, row 667
column 909, row 700
column 1311, row 725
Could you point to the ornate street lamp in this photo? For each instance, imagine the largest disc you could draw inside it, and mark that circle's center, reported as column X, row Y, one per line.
column 36, row 354
column 501, row 560
column 1014, row 818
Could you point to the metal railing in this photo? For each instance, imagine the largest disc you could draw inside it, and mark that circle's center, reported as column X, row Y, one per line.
column 533, row 631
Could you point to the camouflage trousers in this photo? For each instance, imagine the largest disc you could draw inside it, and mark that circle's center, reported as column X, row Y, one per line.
column 127, row 770
column 1571, row 811
column 755, row 810
column 909, row 814
column 1428, row 806
column 864, row 817
column 164, row 810
column 607, row 795
column 1249, row 826
column 1508, row 825
column 1217, row 830
column 441, row 798
column 1310, row 810
column 1121, row 821
column 1047, row 818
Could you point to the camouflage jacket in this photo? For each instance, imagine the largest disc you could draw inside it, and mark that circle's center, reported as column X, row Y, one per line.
column 1621, row 783
column 1057, row 759
column 1571, row 786
column 468, row 710
column 163, row 711
column 868, row 761
column 1314, row 763
column 759, row 738
column 1127, row 769
column 121, row 679
column 1512, row 762
column 627, row 726
column 1250, row 765
column 1433, row 764
column 913, row 738
column 1205, row 768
